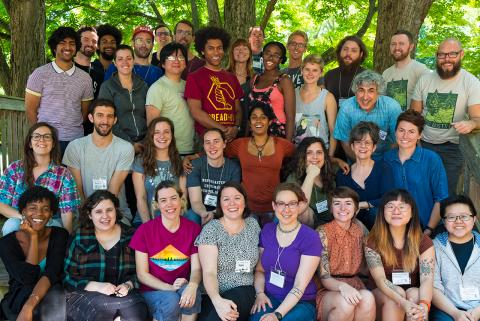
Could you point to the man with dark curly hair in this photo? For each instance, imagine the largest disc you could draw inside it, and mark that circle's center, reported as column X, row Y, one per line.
column 109, row 38
column 213, row 95
column 59, row 93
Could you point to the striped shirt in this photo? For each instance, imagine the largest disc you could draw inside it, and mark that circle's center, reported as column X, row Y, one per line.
column 61, row 93
column 85, row 260
column 56, row 178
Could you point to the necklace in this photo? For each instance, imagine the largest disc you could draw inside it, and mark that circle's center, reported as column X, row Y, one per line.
column 259, row 148
column 287, row 231
column 240, row 74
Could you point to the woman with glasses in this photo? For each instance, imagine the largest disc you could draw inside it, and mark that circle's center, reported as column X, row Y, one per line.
column 40, row 166
column 456, row 293
column 163, row 37
column 343, row 296
column 290, row 253
column 401, row 260
column 418, row 170
column 128, row 92
column 276, row 89
column 369, row 178
column 165, row 96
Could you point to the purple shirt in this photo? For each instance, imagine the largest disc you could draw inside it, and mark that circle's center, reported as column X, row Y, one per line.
column 307, row 242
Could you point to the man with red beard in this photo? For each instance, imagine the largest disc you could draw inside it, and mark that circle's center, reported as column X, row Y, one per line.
column 109, row 38
column 449, row 99
column 351, row 53
column 404, row 74
column 89, row 40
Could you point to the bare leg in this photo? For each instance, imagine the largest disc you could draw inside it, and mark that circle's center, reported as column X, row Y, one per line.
column 387, row 309
column 365, row 310
column 335, row 308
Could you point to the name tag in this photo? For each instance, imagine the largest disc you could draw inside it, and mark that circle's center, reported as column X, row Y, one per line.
column 99, row 182
column 210, row 200
column 242, row 266
column 322, row 206
column 277, row 278
column 469, row 293
column 401, row 278
column 382, row 134
column 258, row 63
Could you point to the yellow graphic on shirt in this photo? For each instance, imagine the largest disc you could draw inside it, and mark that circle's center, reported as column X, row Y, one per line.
column 220, row 94
column 169, row 258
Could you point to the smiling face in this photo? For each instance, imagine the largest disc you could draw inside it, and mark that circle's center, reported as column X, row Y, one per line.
column 232, row 203
column 104, row 216
column 169, row 203
column 367, row 96
column 107, row 47
column 41, row 141
column 400, row 47
column 397, row 213
column 89, row 40
column 184, row 34
column 286, row 207
column 259, row 122
column 459, row 230
column 213, row 144
column 103, row 119
column 296, row 47
column 256, row 39
column 448, row 67
column 124, row 61
column 364, row 148
column 213, row 53
column 241, row 53
column 162, row 36
column 176, row 66
column 142, row 45
column 407, row 135
column 65, row 50
column 350, row 54
column 38, row 213
column 315, row 155
column 272, row 56
column 311, row 73
column 162, row 135
column 343, row 210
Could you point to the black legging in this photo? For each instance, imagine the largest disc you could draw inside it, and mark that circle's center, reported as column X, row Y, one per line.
column 243, row 296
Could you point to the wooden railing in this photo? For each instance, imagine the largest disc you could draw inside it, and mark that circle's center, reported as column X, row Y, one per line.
column 13, row 128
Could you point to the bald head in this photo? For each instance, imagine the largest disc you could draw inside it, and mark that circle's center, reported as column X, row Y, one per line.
column 449, row 58
column 450, row 43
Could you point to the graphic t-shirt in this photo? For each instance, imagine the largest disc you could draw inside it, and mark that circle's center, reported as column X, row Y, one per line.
column 401, row 81
column 445, row 101
column 168, row 253
column 217, row 90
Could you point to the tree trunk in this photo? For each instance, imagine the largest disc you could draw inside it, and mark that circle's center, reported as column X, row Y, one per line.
column 27, row 24
column 195, row 14
column 239, row 15
column 213, row 13
column 392, row 16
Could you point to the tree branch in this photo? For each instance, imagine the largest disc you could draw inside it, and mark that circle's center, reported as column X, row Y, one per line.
column 110, row 11
column 372, row 9
column 268, row 12
column 156, row 11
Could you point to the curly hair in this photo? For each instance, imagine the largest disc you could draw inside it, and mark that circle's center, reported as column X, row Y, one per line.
column 92, row 201
column 61, row 34
column 298, row 167
column 35, row 194
column 358, row 41
column 149, row 152
column 207, row 33
column 107, row 29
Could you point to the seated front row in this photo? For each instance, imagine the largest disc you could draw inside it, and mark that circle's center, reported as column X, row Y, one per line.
column 247, row 273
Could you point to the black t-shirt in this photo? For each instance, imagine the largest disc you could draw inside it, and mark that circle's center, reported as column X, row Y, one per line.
column 96, row 74
column 339, row 83
column 155, row 61
column 463, row 252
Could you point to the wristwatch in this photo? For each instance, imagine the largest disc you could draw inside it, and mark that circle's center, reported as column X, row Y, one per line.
column 278, row 315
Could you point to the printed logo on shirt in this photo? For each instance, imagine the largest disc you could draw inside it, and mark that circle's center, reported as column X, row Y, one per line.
column 306, row 126
column 440, row 109
column 397, row 89
column 169, row 258
column 221, row 94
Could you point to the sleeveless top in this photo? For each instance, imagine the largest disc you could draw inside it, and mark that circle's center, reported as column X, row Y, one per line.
column 310, row 118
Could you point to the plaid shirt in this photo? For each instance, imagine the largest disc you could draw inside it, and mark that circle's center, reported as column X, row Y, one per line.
column 56, row 178
column 85, row 260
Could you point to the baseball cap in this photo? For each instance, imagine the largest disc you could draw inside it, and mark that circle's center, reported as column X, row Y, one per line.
column 146, row 29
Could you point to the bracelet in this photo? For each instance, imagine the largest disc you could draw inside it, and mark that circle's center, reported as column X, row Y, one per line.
column 426, row 303
column 259, row 292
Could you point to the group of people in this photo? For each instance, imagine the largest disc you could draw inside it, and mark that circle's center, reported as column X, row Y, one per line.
column 161, row 185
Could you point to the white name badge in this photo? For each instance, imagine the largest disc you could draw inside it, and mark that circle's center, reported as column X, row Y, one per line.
column 322, row 206
column 99, row 182
column 469, row 293
column 210, row 200
column 277, row 278
column 242, row 266
column 382, row 134
column 401, row 278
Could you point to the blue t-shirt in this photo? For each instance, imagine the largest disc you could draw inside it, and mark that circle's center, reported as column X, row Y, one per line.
column 149, row 73
column 384, row 114
column 423, row 175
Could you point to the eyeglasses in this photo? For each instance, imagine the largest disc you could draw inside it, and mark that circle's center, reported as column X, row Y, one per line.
column 292, row 205
column 365, row 143
column 463, row 218
column 140, row 41
column 163, row 33
column 46, row 137
column 403, row 208
column 173, row 58
column 183, row 32
column 270, row 55
column 451, row 54
column 298, row 45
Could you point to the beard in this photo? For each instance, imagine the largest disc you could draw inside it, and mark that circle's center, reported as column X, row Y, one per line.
column 349, row 68
column 142, row 53
column 88, row 53
column 449, row 73
column 102, row 132
column 401, row 57
column 106, row 56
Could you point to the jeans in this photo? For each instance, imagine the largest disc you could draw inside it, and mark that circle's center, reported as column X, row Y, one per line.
column 192, row 216
column 13, row 224
column 164, row 304
column 303, row 310
column 438, row 315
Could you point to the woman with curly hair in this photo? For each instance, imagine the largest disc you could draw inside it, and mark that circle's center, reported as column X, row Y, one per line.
column 160, row 161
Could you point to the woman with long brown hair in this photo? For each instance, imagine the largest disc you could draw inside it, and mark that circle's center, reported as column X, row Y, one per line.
column 40, row 166
column 160, row 161
column 401, row 260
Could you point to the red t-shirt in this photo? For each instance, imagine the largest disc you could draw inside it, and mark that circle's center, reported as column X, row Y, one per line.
column 168, row 253
column 260, row 177
column 218, row 91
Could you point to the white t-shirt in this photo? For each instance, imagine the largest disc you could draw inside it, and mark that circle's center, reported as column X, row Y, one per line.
column 445, row 101
column 401, row 81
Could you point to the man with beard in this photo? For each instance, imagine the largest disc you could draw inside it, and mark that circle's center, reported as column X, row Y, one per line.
column 255, row 39
column 109, row 38
column 89, row 40
column 142, row 40
column 101, row 160
column 351, row 53
column 403, row 75
column 449, row 99
column 296, row 46
column 184, row 34
column 59, row 93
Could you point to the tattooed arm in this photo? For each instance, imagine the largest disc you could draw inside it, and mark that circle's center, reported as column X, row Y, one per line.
column 427, row 270
column 324, row 266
